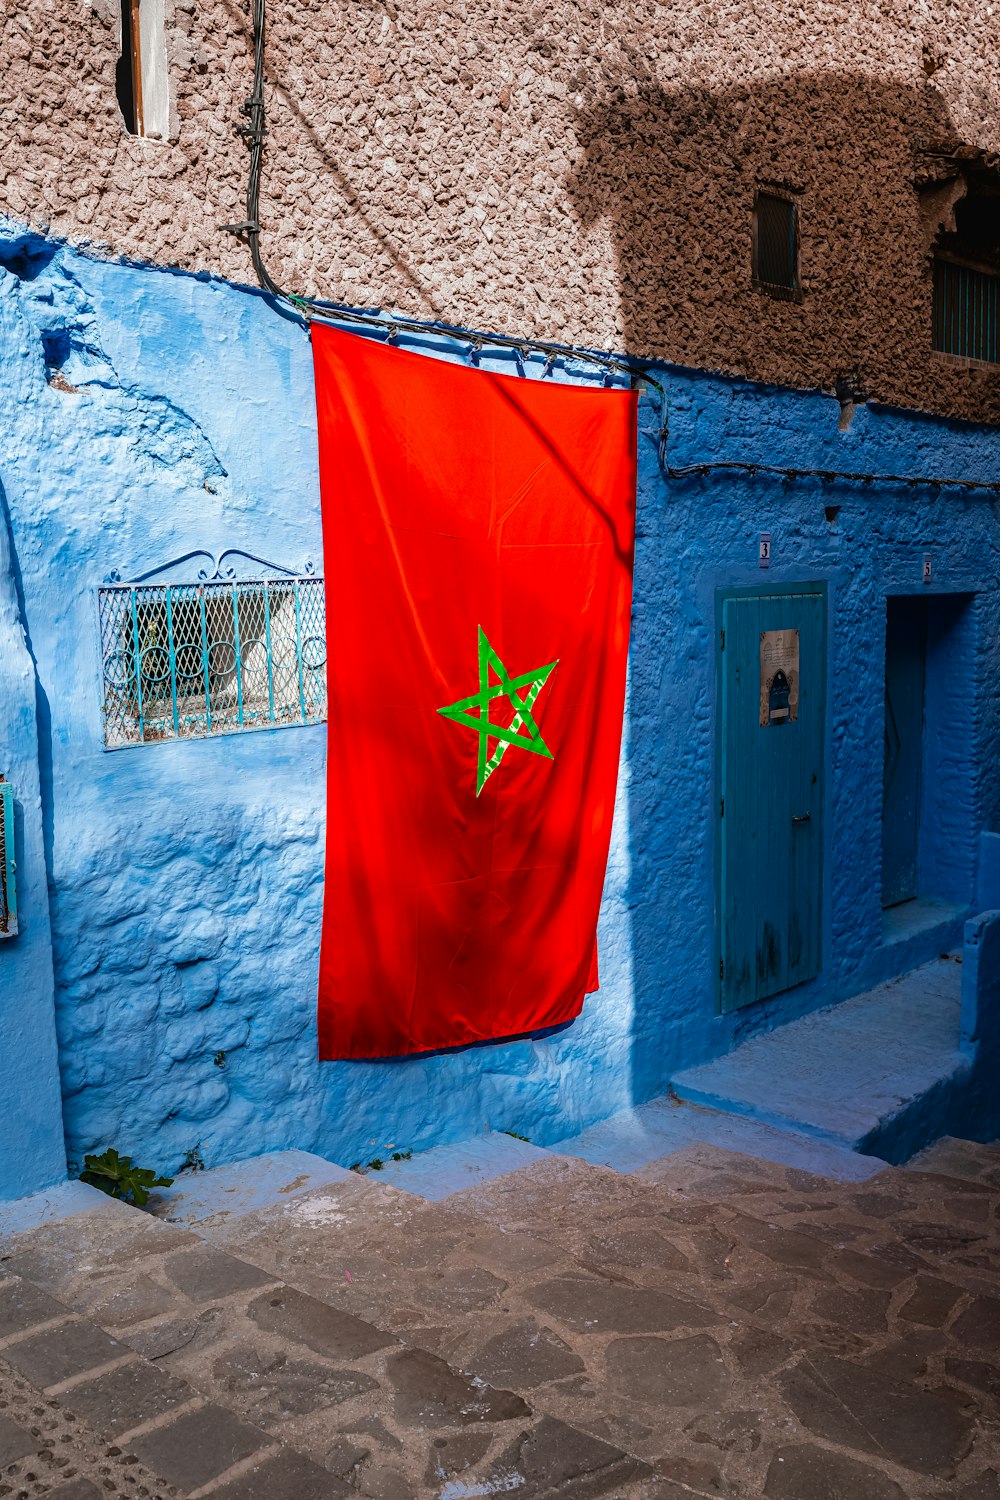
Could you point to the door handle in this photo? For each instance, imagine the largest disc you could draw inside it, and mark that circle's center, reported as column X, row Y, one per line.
column 803, row 819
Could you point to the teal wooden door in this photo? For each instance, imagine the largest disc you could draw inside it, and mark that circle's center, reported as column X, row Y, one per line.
column 905, row 666
column 772, row 681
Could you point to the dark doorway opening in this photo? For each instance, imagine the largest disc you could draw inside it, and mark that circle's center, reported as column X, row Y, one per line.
column 929, row 809
column 903, row 750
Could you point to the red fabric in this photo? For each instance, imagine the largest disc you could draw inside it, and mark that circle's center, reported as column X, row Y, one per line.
column 453, row 501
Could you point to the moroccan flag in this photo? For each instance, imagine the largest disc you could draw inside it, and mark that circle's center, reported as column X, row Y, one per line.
column 478, row 532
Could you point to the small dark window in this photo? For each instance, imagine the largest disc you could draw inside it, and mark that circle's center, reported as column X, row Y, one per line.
column 128, row 74
column 776, row 245
column 141, row 76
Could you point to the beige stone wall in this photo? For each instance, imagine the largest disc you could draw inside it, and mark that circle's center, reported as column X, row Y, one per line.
column 576, row 170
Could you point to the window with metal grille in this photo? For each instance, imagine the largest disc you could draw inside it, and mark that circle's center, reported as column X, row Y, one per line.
column 186, row 660
column 8, row 895
column 966, row 311
column 776, row 245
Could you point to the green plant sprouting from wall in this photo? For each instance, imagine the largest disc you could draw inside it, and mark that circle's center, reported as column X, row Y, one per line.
column 377, row 1162
column 116, row 1176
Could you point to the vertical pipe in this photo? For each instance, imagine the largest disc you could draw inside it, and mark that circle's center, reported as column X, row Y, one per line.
column 270, row 663
column 136, row 45
column 237, row 658
column 172, row 653
column 8, row 875
column 298, row 650
column 204, row 658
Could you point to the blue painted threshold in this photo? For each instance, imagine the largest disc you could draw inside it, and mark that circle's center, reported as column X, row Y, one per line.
column 869, row 1075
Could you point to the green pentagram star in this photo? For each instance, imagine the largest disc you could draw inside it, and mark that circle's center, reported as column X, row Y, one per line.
column 507, row 687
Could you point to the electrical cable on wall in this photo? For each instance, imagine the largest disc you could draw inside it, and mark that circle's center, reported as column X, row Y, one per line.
column 637, row 371
column 844, row 476
column 254, row 133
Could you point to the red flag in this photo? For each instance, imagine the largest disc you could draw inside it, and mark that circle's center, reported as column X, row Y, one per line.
column 478, row 532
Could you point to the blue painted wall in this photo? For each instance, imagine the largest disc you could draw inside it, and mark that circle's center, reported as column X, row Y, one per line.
column 32, row 1154
column 148, row 413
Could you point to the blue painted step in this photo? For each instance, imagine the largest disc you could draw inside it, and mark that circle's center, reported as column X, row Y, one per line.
column 244, row 1187
column 868, row 1075
column 443, row 1170
column 625, row 1143
column 633, row 1139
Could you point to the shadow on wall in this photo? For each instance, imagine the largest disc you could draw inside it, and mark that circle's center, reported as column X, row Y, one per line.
column 214, row 1041
column 675, row 174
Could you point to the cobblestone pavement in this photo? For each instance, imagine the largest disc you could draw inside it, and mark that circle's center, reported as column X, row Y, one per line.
column 712, row 1326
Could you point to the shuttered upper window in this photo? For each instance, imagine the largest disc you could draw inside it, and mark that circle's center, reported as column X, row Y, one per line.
column 776, row 245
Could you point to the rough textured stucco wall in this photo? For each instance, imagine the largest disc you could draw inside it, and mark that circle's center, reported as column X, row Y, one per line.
column 187, row 877
column 574, row 170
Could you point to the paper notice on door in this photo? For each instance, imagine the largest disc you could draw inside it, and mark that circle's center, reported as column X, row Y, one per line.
column 779, row 677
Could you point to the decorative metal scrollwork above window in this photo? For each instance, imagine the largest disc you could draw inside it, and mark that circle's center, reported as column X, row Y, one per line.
column 219, row 652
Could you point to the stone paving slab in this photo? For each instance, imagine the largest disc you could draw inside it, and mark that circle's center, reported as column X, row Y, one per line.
column 198, row 1447
column 969, row 1160
column 61, row 1353
column 272, row 1386
column 285, row 1476
column 715, row 1325
column 128, row 1397
column 24, row 1306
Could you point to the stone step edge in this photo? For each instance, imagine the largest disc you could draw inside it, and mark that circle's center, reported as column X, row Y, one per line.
column 740, row 1135
column 440, row 1171
column 761, row 1115
column 455, row 1166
